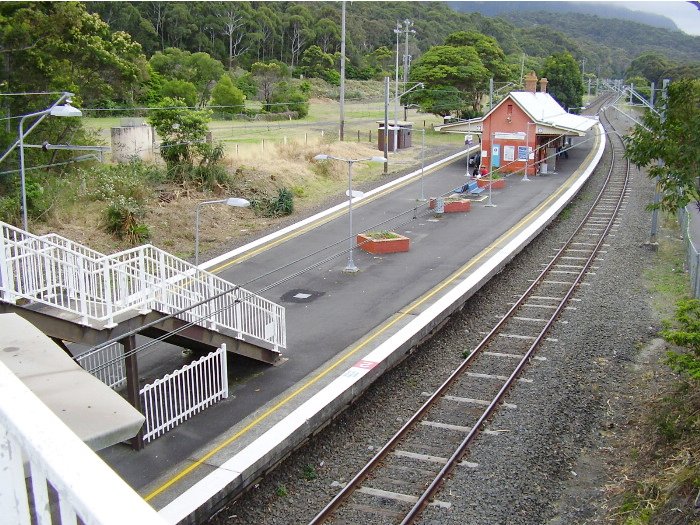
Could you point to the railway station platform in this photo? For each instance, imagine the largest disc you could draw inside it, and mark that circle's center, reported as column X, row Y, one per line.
column 344, row 329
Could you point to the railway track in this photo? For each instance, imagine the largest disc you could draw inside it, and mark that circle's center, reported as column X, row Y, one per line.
column 405, row 476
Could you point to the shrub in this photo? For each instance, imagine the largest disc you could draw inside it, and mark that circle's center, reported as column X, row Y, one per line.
column 687, row 335
column 226, row 94
column 122, row 219
column 282, row 205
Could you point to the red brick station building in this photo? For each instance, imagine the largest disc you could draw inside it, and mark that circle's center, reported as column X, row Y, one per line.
column 525, row 130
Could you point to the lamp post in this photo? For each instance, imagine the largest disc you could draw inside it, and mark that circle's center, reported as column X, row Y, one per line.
column 490, row 203
column 231, row 201
column 350, row 267
column 64, row 110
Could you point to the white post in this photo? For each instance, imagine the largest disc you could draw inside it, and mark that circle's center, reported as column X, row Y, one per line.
column 82, row 291
column 224, row 371
column 6, row 278
column 396, row 93
column 527, row 150
column 422, row 166
column 350, row 268
column 107, row 287
column 490, row 203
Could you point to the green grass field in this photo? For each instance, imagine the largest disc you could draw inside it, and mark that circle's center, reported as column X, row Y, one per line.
column 257, row 138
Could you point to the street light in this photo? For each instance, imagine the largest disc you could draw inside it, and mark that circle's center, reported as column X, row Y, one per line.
column 232, row 201
column 64, row 110
column 350, row 267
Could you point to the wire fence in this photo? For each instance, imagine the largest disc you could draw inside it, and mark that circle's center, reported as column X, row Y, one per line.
column 692, row 256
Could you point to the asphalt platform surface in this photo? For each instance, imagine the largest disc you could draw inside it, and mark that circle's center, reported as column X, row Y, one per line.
column 330, row 312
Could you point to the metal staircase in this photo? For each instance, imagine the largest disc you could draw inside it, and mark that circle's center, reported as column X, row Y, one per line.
column 82, row 291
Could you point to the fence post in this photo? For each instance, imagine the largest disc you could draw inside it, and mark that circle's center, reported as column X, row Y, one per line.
column 108, row 299
column 224, row 371
column 211, row 308
column 370, row 136
column 143, row 285
column 696, row 288
column 81, row 290
column 358, row 135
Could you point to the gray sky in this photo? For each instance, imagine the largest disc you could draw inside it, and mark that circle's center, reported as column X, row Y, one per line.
column 685, row 15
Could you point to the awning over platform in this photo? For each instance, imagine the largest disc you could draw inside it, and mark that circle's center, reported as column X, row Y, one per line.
column 98, row 415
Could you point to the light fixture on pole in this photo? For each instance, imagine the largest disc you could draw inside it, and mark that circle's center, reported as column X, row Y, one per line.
column 236, row 202
column 63, row 110
column 350, row 267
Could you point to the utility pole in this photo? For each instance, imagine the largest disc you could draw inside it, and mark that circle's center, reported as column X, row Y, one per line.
column 657, row 195
column 386, row 124
column 396, row 87
column 490, row 94
column 406, row 61
column 342, row 76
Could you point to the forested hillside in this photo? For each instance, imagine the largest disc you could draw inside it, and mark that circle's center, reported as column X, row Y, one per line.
column 607, row 9
column 244, row 32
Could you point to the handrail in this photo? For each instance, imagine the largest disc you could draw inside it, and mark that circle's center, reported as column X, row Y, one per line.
column 83, row 483
column 63, row 274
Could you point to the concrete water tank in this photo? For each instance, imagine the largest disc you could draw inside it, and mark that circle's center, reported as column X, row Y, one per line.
column 132, row 139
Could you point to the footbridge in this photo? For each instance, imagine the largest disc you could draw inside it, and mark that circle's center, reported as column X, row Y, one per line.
column 76, row 294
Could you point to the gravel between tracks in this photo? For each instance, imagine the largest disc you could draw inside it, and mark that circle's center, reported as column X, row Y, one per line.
column 548, row 465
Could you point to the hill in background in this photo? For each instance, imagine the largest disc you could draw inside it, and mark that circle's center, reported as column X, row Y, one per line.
column 602, row 9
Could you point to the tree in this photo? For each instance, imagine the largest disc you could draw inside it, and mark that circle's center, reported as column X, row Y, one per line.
column 180, row 89
column 490, row 53
column 59, row 46
column 649, row 65
column 236, row 18
column 198, row 68
column 565, row 80
column 228, row 95
column 182, row 132
column 290, row 98
column 455, row 67
column 316, row 63
column 672, row 140
column 327, row 35
column 298, row 25
column 267, row 74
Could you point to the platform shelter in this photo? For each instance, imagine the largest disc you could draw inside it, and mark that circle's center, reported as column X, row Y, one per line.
column 525, row 132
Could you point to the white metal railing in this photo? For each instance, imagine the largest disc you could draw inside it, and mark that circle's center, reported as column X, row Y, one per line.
column 169, row 401
column 98, row 288
column 66, row 481
column 107, row 365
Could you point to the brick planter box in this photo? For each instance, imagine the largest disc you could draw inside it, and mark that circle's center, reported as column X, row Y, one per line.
column 498, row 184
column 378, row 245
column 453, row 204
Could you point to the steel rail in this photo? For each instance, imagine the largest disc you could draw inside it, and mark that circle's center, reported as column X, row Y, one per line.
column 428, row 494
column 363, row 474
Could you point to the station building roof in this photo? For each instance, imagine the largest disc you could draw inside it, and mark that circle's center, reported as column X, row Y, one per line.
column 541, row 109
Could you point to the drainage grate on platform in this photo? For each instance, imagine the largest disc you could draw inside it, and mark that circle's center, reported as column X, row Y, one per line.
column 300, row 296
